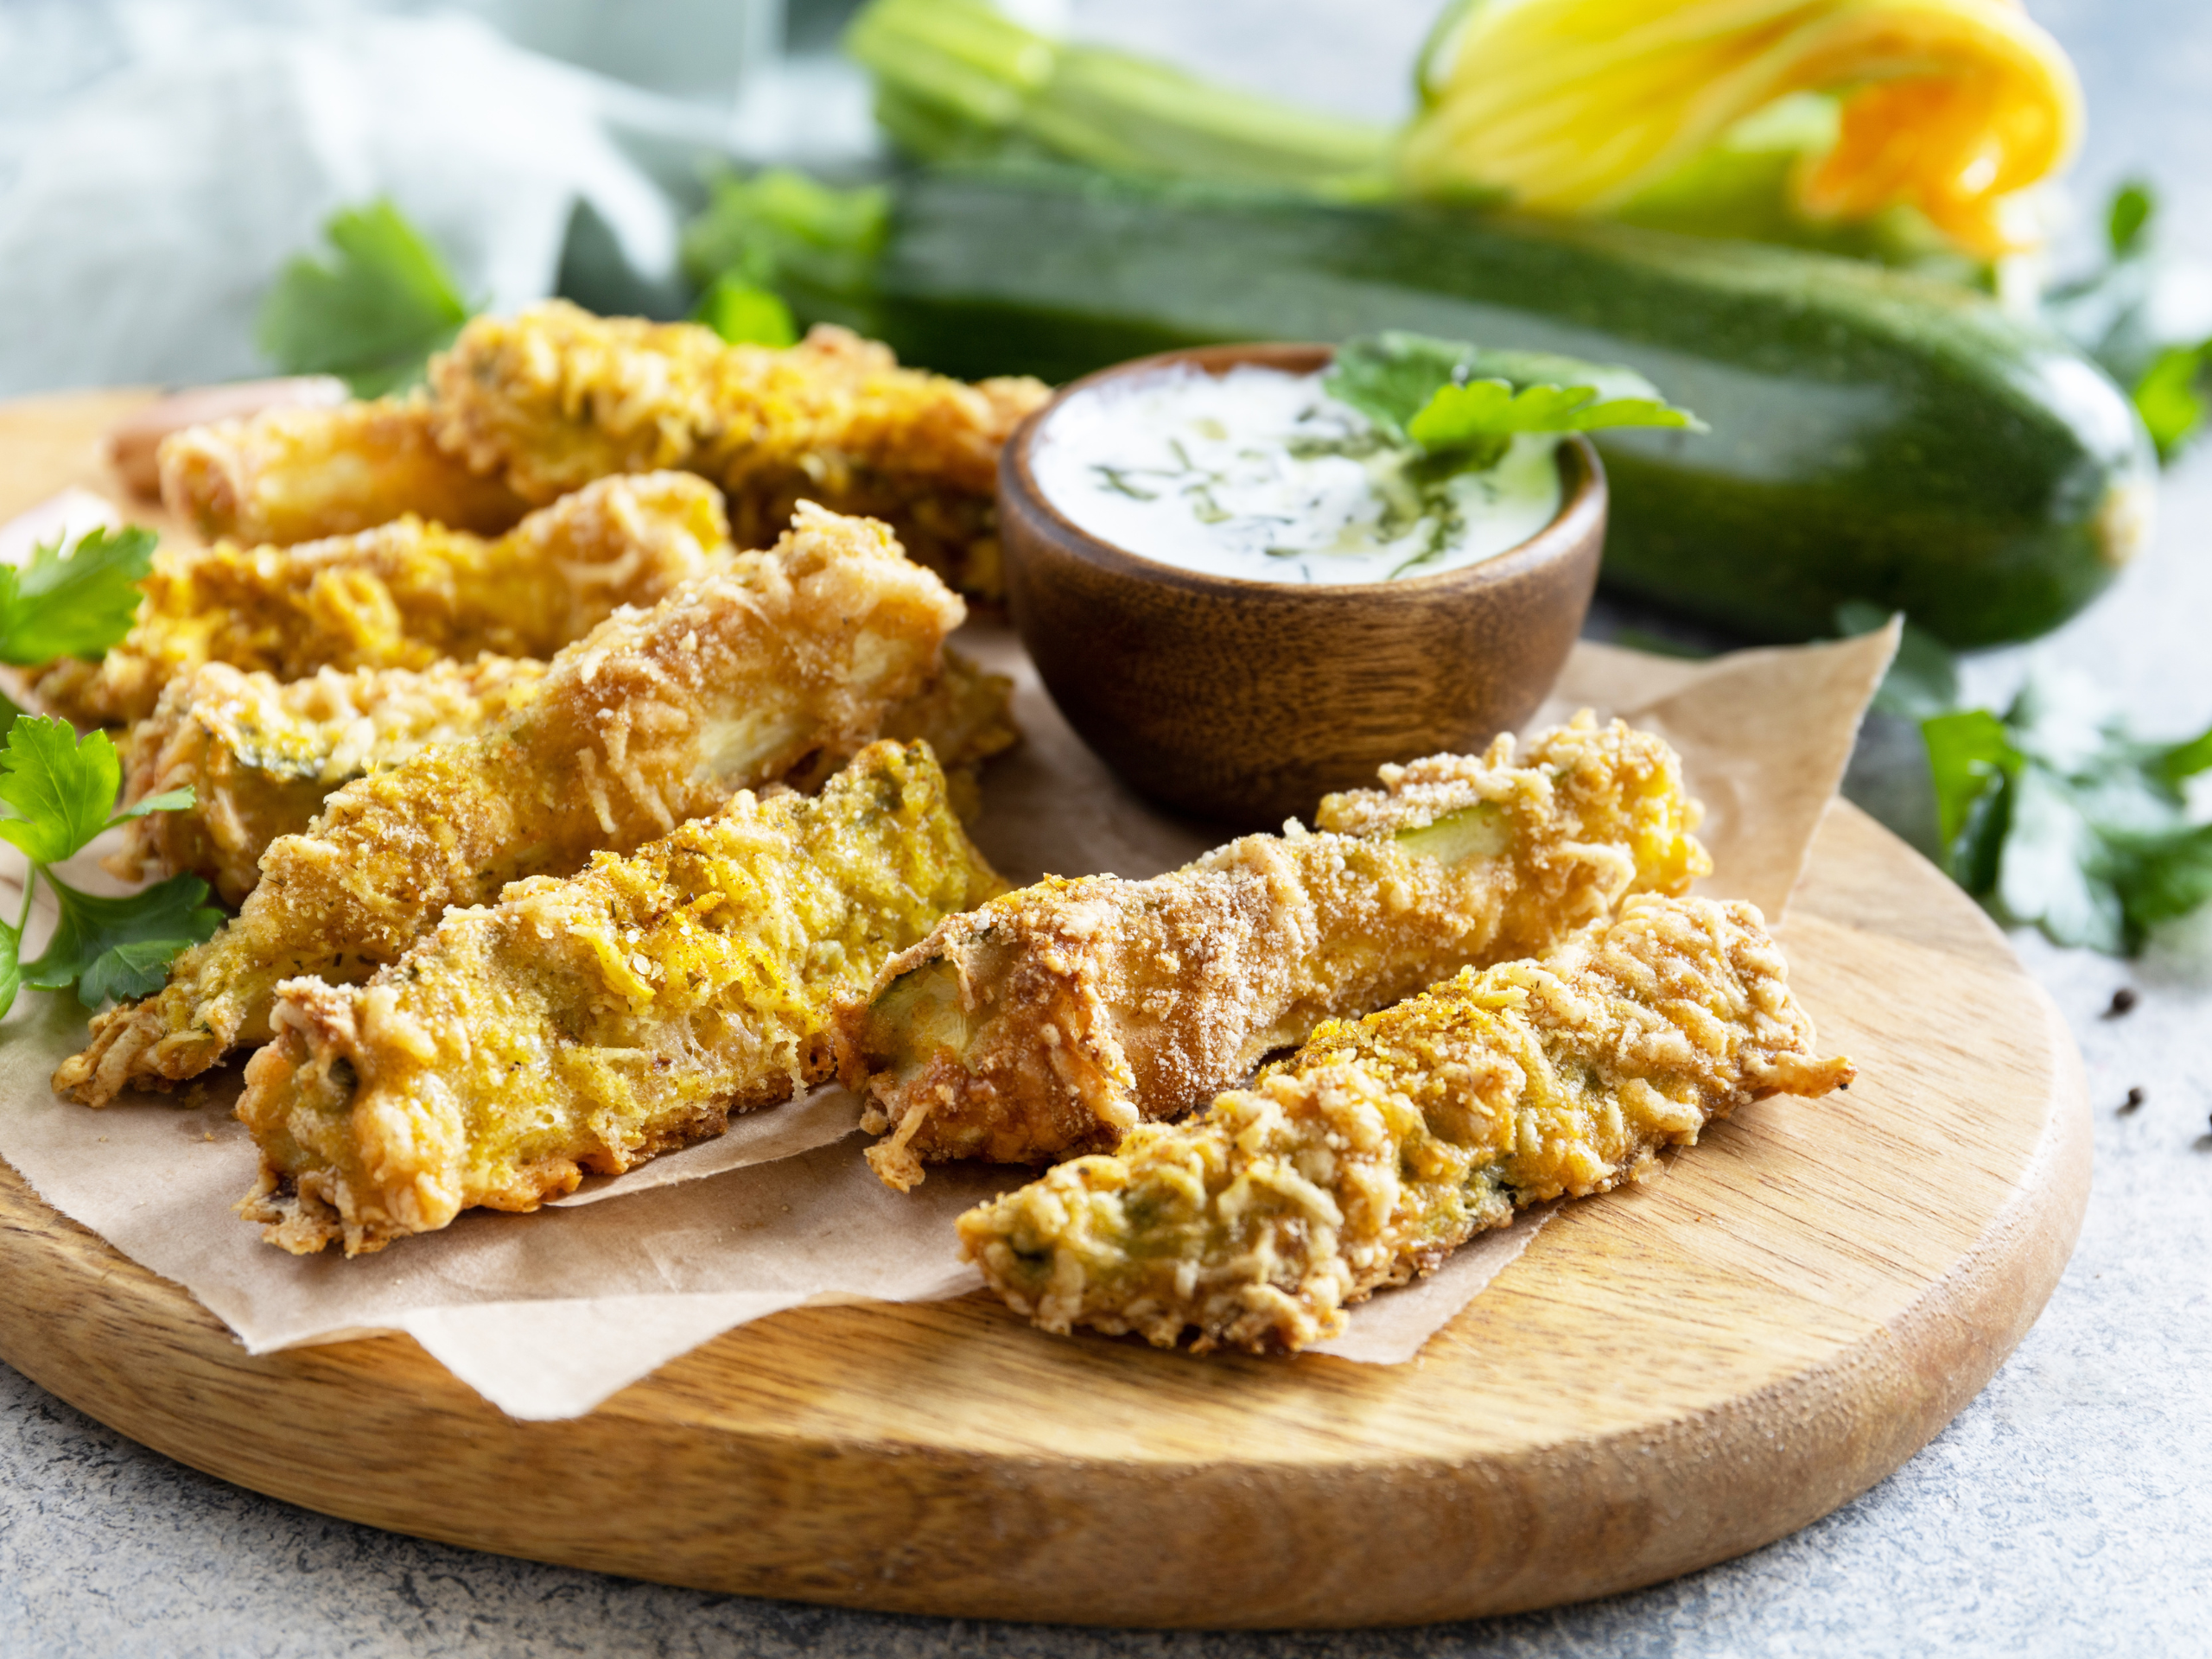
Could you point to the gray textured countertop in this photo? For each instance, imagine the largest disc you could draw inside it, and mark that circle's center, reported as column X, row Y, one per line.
column 2068, row 1510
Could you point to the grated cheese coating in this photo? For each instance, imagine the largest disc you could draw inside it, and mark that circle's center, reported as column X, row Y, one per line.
column 554, row 397
column 1054, row 1020
column 262, row 757
column 289, row 475
column 590, row 1022
column 403, row 595
column 741, row 677
column 1387, row 1142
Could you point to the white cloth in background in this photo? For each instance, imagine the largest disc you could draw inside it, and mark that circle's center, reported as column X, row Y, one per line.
column 160, row 159
column 144, row 209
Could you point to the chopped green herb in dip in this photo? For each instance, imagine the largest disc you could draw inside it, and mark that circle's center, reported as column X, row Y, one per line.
column 1264, row 476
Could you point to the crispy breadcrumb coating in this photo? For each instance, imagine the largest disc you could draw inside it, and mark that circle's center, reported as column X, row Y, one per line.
column 591, row 1022
column 289, row 475
column 657, row 716
column 555, row 397
column 262, row 757
column 966, row 716
column 403, row 595
column 1385, row 1143
column 1053, row 1020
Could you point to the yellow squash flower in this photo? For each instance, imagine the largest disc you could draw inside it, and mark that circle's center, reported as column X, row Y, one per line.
column 1953, row 107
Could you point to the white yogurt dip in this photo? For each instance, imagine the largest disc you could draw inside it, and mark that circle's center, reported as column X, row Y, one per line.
column 1260, row 476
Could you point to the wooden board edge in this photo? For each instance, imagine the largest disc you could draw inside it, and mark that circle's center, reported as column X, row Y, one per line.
column 1484, row 1547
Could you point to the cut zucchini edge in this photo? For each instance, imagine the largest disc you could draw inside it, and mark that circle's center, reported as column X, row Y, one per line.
column 1478, row 831
column 917, row 1017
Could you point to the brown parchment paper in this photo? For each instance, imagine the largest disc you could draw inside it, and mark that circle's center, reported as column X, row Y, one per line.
column 547, row 1314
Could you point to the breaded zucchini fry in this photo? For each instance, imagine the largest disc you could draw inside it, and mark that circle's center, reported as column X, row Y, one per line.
column 657, row 716
column 966, row 717
column 289, row 475
column 591, row 1022
column 1385, row 1143
column 555, row 397
column 1053, row 1020
column 403, row 595
column 262, row 757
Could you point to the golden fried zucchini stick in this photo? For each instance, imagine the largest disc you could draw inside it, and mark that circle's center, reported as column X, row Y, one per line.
column 555, row 397
column 404, row 596
column 966, row 716
column 289, row 475
column 591, row 1022
column 1052, row 1020
column 1385, row 1143
column 738, row 678
column 262, row 756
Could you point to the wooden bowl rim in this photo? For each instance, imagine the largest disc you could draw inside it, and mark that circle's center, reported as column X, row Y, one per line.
column 1581, row 514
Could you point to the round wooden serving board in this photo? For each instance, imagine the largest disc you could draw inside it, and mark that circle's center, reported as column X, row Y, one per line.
column 1670, row 1376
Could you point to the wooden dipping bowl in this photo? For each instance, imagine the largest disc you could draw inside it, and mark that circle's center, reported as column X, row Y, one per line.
column 1246, row 701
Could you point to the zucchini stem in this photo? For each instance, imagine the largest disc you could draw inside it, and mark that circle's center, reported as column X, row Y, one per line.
column 956, row 80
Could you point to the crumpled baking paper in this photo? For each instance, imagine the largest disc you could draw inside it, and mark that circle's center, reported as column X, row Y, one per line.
column 548, row 1315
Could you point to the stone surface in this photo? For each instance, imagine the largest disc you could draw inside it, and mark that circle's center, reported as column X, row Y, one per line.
column 2068, row 1510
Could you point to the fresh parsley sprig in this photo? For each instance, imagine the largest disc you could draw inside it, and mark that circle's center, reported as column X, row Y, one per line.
column 745, row 314
column 1461, row 405
column 372, row 313
column 61, row 793
column 73, row 604
column 2054, row 813
column 2057, row 814
column 779, row 234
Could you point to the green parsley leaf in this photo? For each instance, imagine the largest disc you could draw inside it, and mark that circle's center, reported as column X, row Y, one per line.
column 113, row 949
column 812, row 244
column 63, row 789
column 1464, row 417
column 2057, row 815
column 1447, row 397
column 169, row 800
column 2127, row 220
column 373, row 314
column 76, row 605
column 2171, row 393
column 2163, row 877
column 1969, row 758
column 1390, row 377
column 746, row 316
column 2185, row 761
column 2051, row 871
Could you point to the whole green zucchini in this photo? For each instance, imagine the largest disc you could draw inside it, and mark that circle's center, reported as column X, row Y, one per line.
column 1875, row 435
